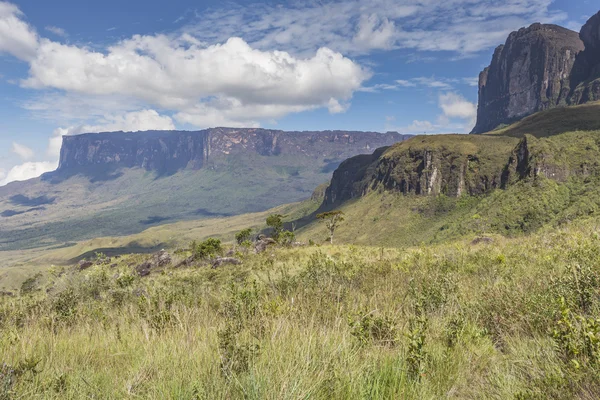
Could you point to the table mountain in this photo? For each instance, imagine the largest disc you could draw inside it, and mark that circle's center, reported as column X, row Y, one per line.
column 539, row 68
column 119, row 183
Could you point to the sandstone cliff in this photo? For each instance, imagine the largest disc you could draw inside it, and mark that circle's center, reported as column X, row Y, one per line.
column 531, row 72
column 168, row 152
column 456, row 165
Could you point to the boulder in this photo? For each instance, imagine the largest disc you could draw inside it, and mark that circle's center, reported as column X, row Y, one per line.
column 160, row 259
column 84, row 264
column 225, row 261
column 262, row 243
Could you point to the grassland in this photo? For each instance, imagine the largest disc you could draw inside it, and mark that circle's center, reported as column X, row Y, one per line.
column 512, row 319
column 555, row 121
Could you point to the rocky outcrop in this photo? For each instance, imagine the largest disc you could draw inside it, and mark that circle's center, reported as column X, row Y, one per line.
column 452, row 165
column 531, row 72
column 170, row 151
column 585, row 79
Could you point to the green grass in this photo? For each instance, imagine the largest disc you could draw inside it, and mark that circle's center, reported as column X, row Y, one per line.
column 555, row 121
column 445, row 321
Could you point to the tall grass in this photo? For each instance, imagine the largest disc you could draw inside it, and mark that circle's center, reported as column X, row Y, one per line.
column 512, row 319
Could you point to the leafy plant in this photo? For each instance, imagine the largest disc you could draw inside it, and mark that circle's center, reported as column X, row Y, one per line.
column 208, row 248
column 243, row 236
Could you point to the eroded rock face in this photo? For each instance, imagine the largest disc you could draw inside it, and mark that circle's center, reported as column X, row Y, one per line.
column 538, row 68
column 170, row 151
column 586, row 76
column 531, row 72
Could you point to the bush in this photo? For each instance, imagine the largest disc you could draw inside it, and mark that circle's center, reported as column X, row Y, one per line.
column 209, row 248
column 243, row 236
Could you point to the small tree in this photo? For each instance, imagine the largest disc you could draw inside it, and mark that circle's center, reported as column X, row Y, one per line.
column 275, row 221
column 332, row 221
column 243, row 236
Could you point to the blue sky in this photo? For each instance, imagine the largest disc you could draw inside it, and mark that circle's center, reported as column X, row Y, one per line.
column 405, row 65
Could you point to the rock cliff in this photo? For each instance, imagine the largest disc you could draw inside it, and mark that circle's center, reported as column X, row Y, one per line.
column 169, row 151
column 531, row 72
column 585, row 79
column 456, row 165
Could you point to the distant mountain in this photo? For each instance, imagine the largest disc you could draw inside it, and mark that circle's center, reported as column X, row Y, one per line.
column 539, row 68
column 119, row 183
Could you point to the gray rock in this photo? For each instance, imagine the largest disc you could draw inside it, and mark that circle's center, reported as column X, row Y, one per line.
column 531, row 72
column 225, row 261
column 160, row 259
column 84, row 264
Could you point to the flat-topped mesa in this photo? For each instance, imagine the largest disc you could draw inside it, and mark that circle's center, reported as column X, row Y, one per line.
column 531, row 72
column 169, row 151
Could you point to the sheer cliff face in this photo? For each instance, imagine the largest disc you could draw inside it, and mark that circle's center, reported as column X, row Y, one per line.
column 530, row 73
column 167, row 152
column 586, row 76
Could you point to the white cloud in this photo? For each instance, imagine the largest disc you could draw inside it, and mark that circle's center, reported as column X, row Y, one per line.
column 360, row 26
column 375, row 33
column 133, row 121
column 22, row 151
column 405, row 83
column 16, row 36
column 458, row 116
column 28, row 170
column 421, row 82
column 197, row 81
column 57, row 31
column 455, row 106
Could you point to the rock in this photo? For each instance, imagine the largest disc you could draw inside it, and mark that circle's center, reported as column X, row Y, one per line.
column 262, row 243
column 168, row 152
column 144, row 269
column 538, row 68
column 586, row 77
column 531, row 72
column 225, row 261
column 160, row 259
column 83, row 265
column 483, row 239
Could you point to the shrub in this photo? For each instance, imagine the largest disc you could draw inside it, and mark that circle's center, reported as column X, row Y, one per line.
column 209, row 248
column 243, row 236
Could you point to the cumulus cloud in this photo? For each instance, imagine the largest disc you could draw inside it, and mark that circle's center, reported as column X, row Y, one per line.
column 132, row 121
column 16, row 36
column 28, row 170
column 458, row 115
column 24, row 152
column 455, row 106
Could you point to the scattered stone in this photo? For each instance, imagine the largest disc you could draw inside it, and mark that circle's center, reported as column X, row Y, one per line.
column 225, row 260
column 84, row 264
column 8, row 294
column 484, row 240
column 262, row 243
column 160, row 259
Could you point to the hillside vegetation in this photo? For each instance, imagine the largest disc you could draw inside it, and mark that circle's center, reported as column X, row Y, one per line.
column 555, row 121
column 514, row 318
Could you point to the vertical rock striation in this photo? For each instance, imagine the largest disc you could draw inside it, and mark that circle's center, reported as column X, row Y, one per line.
column 531, row 72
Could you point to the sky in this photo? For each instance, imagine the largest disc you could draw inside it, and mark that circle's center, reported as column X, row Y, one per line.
column 411, row 66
